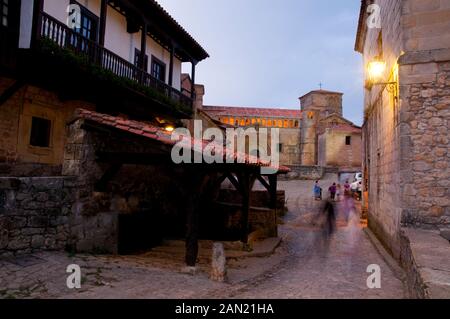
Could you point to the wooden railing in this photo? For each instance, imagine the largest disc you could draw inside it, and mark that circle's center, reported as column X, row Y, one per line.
column 66, row 38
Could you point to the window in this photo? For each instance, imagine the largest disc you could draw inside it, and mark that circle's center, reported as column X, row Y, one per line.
column 40, row 132
column 89, row 24
column 137, row 57
column 280, row 148
column 4, row 10
column 158, row 69
column 348, row 140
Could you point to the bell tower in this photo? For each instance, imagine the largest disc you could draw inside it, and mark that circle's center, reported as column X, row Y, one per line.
column 316, row 105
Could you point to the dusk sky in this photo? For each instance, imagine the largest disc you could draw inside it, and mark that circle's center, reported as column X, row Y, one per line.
column 267, row 53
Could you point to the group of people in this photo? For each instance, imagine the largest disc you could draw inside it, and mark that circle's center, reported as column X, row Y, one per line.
column 336, row 191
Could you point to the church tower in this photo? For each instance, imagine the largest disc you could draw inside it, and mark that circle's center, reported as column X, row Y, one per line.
column 316, row 105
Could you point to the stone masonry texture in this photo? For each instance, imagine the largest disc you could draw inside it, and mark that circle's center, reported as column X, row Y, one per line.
column 34, row 213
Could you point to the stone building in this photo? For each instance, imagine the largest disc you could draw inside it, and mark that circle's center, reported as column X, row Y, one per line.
column 327, row 138
column 287, row 121
column 406, row 50
column 316, row 135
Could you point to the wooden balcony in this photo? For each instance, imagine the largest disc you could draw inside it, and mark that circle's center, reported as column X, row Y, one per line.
column 66, row 38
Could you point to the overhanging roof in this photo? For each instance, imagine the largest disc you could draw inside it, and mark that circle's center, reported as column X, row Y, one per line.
column 163, row 25
column 159, row 135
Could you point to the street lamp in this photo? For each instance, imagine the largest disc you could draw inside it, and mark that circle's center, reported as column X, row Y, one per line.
column 376, row 70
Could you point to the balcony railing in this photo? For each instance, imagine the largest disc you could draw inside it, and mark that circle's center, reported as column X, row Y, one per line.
column 67, row 38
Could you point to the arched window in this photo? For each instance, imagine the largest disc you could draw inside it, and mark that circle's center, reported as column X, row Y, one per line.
column 280, row 123
column 270, row 123
column 264, row 122
column 225, row 120
column 296, row 124
column 311, row 115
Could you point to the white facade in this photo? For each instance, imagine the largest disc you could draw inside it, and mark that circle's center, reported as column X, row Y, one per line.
column 117, row 39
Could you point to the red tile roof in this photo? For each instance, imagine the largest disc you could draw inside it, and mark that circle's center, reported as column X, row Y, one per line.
column 250, row 112
column 158, row 134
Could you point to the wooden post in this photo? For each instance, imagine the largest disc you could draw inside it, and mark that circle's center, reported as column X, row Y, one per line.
column 143, row 49
column 194, row 63
column 103, row 14
column 245, row 183
column 192, row 230
column 172, row 55
column 194, row 189
column 273, row 181
column 37, row 20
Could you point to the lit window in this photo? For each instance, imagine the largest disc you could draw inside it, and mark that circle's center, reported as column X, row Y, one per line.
column 4, row 9
column 253, row 121
column 242, row 122
column 248, row 122
column 280, row 123
column 264, row 122
column 269, row 123
column 225, row 120
column 40, row 132
column 296, row 124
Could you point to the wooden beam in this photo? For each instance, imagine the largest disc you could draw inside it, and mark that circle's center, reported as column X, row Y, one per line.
column 246, row 184
column 194, row 63
column 194, row 188
column 143, row 46
column 235, row 182
column 263, row 182
column 38, row 8
column 273, row 181
column 172, row 55
column 103, row 15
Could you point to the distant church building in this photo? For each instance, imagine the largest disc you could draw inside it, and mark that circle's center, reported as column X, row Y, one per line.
column 327, row 138
column 315, row 135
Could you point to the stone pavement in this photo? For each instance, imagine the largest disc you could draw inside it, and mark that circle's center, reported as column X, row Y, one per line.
column 304, row 266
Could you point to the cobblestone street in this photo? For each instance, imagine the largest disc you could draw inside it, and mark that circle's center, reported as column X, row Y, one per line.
column 304, row 266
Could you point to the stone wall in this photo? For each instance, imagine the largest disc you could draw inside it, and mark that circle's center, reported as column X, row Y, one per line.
column 406, row 141
column 308, row 172
column 424, row 138
column 226, row 224
column 9, row 119
column 15, row 124
column 333, row 150
column 34, row 213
